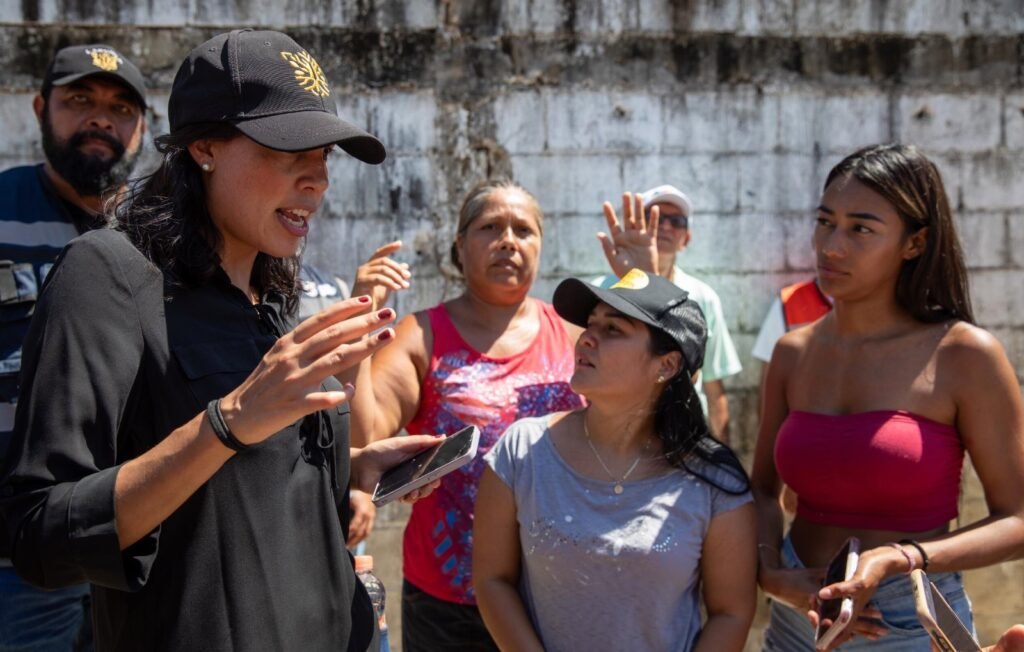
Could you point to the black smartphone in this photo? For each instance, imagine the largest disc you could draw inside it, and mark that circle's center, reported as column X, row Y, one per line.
column 426, row 466
column 837, row 610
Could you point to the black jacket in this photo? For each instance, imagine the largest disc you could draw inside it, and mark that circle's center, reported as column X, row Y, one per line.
column 116, row 359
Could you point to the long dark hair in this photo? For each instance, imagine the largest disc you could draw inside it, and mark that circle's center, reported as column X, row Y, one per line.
column 683, row 430
column 166, row 216
column 933, row 286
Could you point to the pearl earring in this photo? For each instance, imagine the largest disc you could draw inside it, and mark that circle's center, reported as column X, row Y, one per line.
column 661, row 379
column 206, row 167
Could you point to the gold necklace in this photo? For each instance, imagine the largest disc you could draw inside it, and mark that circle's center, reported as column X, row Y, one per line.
column 618, row 489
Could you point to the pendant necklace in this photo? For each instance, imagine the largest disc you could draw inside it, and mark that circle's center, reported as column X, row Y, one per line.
column 618, row 489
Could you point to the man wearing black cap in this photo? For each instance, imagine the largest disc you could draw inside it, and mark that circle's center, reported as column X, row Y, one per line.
column 90, row 110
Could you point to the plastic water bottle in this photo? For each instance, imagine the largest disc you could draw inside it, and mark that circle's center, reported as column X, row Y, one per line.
column 364, row 571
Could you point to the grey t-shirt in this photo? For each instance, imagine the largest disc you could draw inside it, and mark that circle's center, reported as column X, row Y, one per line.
column 602, row 571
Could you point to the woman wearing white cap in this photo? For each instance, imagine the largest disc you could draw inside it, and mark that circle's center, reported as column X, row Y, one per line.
column 175, row 445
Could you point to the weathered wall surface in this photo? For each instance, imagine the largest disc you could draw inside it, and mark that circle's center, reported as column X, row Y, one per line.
column 744, row 104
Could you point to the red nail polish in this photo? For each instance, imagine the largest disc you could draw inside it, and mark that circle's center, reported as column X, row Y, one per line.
column 385, row 314
column 384, row 336
column 364, row 299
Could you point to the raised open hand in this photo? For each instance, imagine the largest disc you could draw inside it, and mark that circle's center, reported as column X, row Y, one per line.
column 633, row 243
column 379, row 276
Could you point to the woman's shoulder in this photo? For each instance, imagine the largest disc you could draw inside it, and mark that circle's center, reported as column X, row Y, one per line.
column 106, row 242
column 415, row 333
column 549, row 317
column 520, row 438
column 529, row 430
column 796, row 340
column 792, row 345
column 105, row 252
column 963, row 345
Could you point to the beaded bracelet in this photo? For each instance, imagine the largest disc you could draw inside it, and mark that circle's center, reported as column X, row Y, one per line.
column 920, row 549
column 220, row 427
column 906, row 555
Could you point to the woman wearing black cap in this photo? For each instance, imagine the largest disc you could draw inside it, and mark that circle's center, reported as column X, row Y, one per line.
column 176, row 441
column 598, row 529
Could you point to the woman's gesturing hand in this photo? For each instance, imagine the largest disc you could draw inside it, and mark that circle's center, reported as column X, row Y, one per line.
column 634, row 242
column 380, row 276
column 286, row 385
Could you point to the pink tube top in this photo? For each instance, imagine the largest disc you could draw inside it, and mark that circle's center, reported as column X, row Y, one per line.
column 881, row 470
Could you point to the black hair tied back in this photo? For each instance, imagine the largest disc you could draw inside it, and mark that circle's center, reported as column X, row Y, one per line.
column 686, row 441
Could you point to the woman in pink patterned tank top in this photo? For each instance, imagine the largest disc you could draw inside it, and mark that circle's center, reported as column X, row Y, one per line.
column 488, row 357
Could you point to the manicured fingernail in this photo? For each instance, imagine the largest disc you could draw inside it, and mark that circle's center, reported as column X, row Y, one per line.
column 363, row 299
column 386, row 313
column 384, row 335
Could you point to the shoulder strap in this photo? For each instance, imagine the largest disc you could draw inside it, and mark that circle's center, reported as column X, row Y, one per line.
column 446, row 337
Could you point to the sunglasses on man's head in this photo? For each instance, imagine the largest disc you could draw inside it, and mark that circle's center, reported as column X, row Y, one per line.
column 676, row 221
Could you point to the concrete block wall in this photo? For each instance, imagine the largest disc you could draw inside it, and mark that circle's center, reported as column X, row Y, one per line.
column 745, row 104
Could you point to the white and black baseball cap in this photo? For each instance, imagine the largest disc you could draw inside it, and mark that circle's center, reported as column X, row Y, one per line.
column 668, row 195
column 268, row 87
column 648, row 298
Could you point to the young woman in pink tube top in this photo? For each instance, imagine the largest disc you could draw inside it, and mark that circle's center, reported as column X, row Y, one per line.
column 868, row 413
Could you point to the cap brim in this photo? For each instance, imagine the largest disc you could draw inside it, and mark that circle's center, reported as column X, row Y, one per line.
column 114, row 77
column 574, row 300
column 304, row 130
column 666, row 199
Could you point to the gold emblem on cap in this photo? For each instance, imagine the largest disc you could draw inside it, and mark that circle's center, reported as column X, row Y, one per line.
column 635, row 279
column 105, row 59
column 308, row 73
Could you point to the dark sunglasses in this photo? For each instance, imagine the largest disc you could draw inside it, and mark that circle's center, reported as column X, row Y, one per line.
column 676, row 221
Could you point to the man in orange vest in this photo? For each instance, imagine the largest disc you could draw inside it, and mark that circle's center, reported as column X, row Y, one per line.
column 797, row 305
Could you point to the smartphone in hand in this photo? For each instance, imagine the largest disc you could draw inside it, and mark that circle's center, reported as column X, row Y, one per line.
column 938, row 618
column 428, row 465
column 834, row 615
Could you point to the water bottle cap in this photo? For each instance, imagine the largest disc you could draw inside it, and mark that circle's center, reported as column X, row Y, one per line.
column 364, row 563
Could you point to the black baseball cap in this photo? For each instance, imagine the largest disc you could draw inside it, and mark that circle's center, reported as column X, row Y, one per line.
column 648, row 298
column 269, row 88
column 77, row 61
